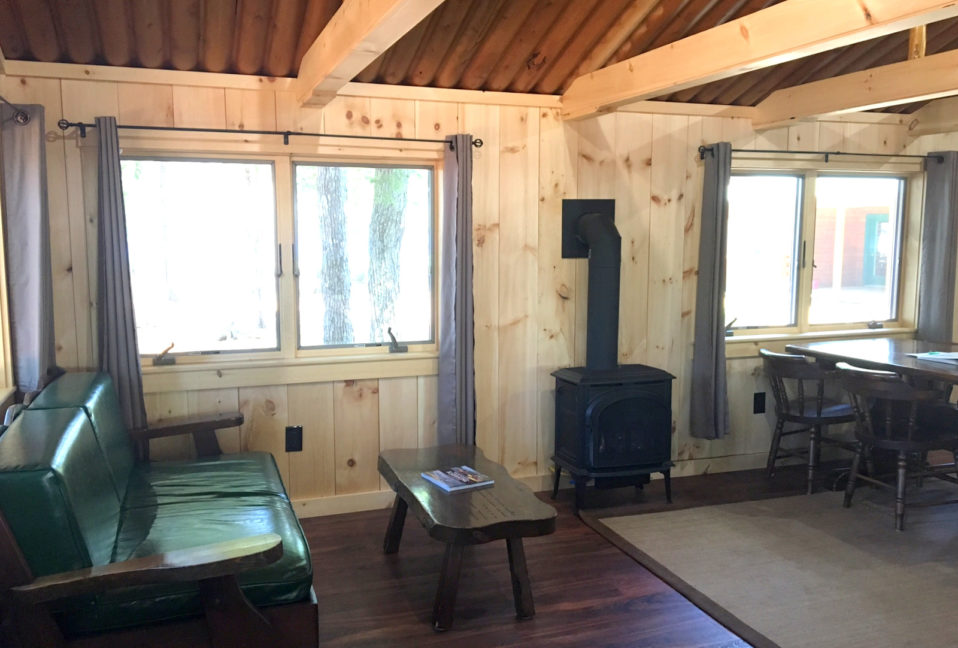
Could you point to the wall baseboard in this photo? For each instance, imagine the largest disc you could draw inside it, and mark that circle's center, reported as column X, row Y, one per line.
column 355, row 502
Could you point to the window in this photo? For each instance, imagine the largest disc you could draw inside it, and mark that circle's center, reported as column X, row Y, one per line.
column 202, row 260
column 275, row 258
column 811, row 250
column 364, row 254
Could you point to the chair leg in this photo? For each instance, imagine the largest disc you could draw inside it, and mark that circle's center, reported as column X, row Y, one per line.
column 900, row 491
column 814, row 441
column 954, row 453
column 555, row 483
column 853, row 476
column 922, row 464
column 773, row 450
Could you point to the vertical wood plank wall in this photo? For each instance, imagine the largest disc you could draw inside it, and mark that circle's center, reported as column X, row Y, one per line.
column 530, row 303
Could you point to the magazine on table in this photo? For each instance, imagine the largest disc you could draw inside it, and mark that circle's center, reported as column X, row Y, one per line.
column 457, row 478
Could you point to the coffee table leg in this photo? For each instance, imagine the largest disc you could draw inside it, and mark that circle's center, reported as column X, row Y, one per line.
column 521, row 587
column 394, row 530
column 448, row 586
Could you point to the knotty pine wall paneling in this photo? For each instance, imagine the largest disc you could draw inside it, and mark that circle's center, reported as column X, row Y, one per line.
column 530, row 303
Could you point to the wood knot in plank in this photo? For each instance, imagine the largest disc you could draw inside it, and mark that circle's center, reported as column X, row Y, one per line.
column 351, row 462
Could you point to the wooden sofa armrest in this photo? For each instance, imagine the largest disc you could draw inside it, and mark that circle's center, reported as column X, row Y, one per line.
column 195, row 564
column 202, row 427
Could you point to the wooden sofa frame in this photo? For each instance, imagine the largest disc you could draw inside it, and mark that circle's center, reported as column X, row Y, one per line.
column 229, row 621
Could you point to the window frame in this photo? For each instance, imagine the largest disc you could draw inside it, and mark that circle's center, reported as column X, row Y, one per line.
column 266, row 352
column 288, row 363
column 809, row 169
column 433, row 233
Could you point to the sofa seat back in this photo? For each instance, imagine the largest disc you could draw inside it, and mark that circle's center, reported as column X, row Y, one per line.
column 56, row 491
column 94, row 392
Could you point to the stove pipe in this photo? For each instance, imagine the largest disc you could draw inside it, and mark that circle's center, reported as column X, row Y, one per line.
column 605, row 256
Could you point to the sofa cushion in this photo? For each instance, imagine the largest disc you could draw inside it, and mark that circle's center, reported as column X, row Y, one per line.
column 165, row 482
column 56, row 492
column 155, row 529
column 94, row 392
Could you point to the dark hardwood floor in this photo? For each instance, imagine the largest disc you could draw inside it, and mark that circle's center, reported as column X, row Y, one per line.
column 587, row 593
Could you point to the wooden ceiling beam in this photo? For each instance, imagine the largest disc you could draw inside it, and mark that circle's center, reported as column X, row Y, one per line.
column 653, row 25
column 780, row 33
column 940, row 116
column 917, row 42
column 903, row 82
column 357, row 33
column 741, row 8
column 318, row 15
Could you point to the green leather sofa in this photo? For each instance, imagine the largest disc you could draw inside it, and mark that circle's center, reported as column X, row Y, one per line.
column 75, row 498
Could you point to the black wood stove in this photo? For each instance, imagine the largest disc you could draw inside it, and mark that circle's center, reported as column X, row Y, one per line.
column 613, row 423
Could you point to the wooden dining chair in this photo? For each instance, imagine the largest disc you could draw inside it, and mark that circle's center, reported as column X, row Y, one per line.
column 911, row 421
column 799, row 387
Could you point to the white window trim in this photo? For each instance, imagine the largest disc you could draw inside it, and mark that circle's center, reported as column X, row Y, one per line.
column 288, row 364
column 746, row 342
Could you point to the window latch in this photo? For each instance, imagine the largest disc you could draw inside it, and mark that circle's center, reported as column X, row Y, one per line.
column 394, row 346
column 162, row 358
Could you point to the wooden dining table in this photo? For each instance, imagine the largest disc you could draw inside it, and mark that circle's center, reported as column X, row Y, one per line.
column 888, row 354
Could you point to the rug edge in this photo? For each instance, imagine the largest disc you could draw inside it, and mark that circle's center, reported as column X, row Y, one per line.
column 697, row 598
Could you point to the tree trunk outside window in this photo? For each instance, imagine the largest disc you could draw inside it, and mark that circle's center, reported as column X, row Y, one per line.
column 385, row 239
column 331, row 186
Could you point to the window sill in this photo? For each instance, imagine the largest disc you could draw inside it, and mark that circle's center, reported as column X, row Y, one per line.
column 286, row 371
column 747, row 346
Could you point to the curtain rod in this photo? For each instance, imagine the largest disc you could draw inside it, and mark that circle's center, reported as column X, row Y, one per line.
column 64, row 124
column 708, row 149
column 20, row 116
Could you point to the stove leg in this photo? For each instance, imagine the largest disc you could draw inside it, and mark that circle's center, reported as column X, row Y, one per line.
column 555, row 483
column 580, row 484
column 668, row 485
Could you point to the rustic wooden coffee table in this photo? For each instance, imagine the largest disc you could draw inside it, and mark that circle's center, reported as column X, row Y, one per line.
column 508, row 511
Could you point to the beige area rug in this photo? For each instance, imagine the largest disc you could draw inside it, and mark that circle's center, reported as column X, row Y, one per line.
column 799, row 572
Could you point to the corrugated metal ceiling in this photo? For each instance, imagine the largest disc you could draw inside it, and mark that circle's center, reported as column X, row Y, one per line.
column 536, row 46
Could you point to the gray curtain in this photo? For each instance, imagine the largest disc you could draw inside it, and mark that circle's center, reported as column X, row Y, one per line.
column 457, row 402
column 710, row 416
column 27, row 234
column 939, row 238
column 116, row 329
